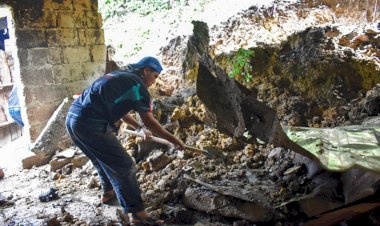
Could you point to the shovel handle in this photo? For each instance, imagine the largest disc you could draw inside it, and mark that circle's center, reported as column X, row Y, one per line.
column 194, row 149
column 152, row 138
column 163, row 141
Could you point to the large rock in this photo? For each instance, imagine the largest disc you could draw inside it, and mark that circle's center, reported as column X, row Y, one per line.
column 218, row 204
column 235, row 108
column 53, row 138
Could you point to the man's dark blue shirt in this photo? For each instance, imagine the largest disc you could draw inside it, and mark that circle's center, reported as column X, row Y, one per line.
column 111, row 96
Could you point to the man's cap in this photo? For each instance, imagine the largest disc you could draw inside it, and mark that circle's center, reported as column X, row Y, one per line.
column 149, row 61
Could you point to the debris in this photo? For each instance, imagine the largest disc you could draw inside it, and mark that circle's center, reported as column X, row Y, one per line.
column 337, row 216
column 80, row 160
column 341, row 148
column 53, row 137
column 121, row 217
column 219, row 204
column 48, row 195
column 68, row 153
column 158, row 160
column 58, row 163
column 251, row 195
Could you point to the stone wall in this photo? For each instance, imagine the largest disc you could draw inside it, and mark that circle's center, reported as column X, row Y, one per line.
column 60, row 46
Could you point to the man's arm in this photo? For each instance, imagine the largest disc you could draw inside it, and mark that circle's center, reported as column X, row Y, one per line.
column 127, row 118
column 155, row 127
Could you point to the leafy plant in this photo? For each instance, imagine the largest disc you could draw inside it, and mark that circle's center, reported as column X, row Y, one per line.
column 241, row 64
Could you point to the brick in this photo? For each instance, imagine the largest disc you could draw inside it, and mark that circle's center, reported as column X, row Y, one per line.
column 32, row 76
column 50, row 19
column 36, row 129
column 48, row 94
column 38, row 56
column 23, row 57
column 91, row 5
column 29, row 18
column 94, row 36
column 76, row 87
column 76, row 55
column 93, row 70
column 59, row 5
column 67, row 73
column 98, row 53
column 60, row 74
column 82, row 37
column 35, row 160
column 31, row 38
column 94, row 20
column 55, row 56
column 29, row 95
column 76, row 72
column 62, row 37
column 43, row 56
column 40, row 113
column 71, row 20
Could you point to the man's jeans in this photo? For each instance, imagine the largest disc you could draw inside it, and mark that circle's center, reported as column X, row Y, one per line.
column 115, row 167
column 15, row 113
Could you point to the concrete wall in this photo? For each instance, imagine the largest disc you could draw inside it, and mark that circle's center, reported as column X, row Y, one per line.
column 60, row 47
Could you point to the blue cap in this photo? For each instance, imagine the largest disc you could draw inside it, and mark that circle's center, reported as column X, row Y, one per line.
column 150, row 62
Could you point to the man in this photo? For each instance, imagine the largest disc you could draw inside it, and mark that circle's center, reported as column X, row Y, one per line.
column 88, row 121
column 14, row 107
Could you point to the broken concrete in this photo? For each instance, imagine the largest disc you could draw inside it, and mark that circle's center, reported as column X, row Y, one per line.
column 54, row 138
column 218, row 204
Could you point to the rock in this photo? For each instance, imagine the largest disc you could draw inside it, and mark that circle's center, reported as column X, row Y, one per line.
column 56, row 164
column 371, row 32
column 55, row 176
column 35, row 160
column 1, row 173
column 146, row 166
column 372, row 106
column 358, row 184
column 3, row 199
column 158, row 160
column 93, row 183
column 80, row 161
column 248, row 150
column 67, row 169
column 54, row 136
column 274, row 152
column 317, row 205
column 218, row 204
column 293, row 169
column 68, row 153
column 344, row 41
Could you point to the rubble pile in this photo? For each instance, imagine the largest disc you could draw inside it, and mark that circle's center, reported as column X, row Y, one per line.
column 258, row 182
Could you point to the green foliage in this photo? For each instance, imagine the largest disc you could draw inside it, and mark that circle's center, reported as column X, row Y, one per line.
column 241, row 64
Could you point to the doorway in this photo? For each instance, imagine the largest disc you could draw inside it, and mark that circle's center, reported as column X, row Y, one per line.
column 13, row 120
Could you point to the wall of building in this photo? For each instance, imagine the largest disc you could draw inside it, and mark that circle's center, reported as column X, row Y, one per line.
column 60, row 48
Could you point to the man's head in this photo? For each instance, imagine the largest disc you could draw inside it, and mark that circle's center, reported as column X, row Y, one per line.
column 149, row 68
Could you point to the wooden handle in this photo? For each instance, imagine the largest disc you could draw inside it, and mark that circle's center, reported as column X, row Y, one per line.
column 152, row 138
column 163, row 141
column 191, row 148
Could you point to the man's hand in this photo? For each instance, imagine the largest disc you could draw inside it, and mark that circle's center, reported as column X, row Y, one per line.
column 147, row 134
column 178, row 144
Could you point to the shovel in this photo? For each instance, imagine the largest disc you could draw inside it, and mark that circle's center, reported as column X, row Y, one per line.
column 211, row 152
